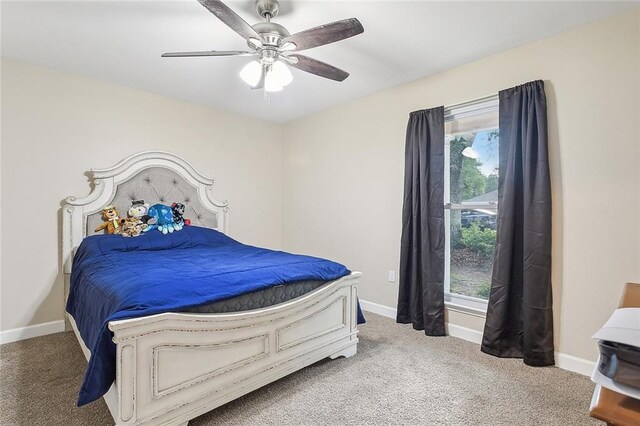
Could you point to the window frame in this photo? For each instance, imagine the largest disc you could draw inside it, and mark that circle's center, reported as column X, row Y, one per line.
column 458, row 302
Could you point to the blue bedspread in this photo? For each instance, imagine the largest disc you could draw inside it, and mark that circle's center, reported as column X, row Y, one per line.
column 115, row 278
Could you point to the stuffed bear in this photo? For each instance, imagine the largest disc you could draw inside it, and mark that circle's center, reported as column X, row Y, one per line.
column 111, row 219
column 164, row 219
column 178, row 212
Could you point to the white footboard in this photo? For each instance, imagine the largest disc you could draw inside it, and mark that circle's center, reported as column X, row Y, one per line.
column 174, row 367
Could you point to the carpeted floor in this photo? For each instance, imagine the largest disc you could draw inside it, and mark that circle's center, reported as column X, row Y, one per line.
column 399, row 376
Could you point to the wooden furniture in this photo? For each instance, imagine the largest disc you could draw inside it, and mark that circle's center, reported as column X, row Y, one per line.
column 607, row 405
column 173, row 367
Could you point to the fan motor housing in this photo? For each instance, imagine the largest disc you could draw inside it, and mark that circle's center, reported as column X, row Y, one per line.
column 271, row 32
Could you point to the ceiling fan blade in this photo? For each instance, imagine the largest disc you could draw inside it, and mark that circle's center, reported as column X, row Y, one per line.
column 325, row 34
column 208, row 53
column 317, row 67
column 229, row 17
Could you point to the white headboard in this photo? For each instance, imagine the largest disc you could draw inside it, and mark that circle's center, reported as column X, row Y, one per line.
column 155, row 177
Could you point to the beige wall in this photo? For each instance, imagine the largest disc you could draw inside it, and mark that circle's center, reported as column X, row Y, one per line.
column 334, row 187
column 56, row 126
column 344, row 170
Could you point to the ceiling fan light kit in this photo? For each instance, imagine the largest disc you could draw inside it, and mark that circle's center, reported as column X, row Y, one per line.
column 275, row 48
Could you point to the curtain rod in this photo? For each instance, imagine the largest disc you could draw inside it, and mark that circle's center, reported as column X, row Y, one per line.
column 472, row 101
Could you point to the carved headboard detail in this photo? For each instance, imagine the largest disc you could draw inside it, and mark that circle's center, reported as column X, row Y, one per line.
column 153, row 176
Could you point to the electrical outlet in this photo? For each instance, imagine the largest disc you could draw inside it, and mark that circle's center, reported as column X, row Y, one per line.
column 392, row 276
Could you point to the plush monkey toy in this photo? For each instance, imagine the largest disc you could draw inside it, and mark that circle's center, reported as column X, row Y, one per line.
column 140, row 210
column 137, row 221
column 111, row 219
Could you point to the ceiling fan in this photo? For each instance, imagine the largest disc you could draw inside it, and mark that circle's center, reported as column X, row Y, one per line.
column 275, row 47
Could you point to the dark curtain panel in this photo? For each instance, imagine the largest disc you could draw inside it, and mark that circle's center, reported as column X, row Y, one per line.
column 519, row 316
column 421, row 293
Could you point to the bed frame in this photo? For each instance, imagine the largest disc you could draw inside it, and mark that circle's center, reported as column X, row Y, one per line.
column 173, row 367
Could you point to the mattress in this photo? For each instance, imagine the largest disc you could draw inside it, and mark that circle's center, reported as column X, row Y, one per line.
column 259, row 299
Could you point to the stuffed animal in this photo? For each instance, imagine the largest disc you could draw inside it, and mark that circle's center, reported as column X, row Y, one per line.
column 132, row 227
column 164, row 219
column 178, row 212
column 111, row 219
column 139, row 210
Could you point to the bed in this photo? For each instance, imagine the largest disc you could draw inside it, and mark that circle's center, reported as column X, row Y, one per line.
column 173, row 366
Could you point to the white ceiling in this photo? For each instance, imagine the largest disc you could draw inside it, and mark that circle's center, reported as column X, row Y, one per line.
column 121, row 42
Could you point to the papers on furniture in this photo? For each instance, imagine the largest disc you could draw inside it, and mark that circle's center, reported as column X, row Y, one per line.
column 618, row 366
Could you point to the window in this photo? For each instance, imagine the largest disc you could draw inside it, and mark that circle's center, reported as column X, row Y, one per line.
column 471, row 201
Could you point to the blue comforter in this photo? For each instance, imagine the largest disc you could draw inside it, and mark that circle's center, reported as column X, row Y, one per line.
column 114, row 278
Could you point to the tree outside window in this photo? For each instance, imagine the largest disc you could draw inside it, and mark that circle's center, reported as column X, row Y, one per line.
column 472, row 162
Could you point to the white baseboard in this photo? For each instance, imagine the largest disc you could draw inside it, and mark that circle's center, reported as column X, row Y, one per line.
column 564, row 361
column 376, row 308
column 28, row 332
column 575, row 364
column 464, row 333
column 452, row 329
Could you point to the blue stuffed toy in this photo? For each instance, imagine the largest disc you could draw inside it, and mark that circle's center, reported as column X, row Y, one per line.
column 165, row 222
